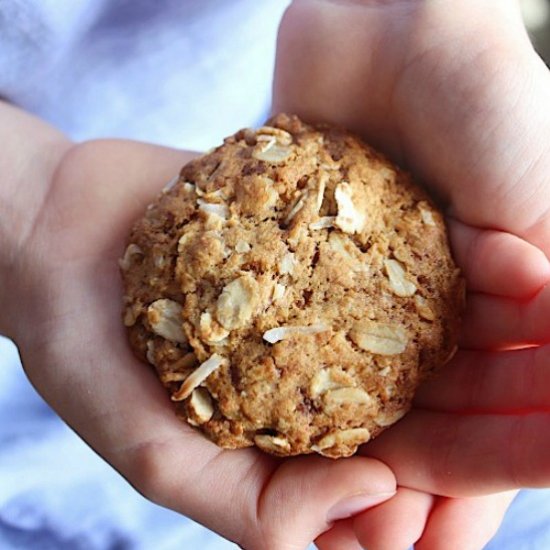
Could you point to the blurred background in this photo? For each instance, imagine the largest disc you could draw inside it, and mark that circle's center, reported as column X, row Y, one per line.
column 537, row 18
column 55, row 494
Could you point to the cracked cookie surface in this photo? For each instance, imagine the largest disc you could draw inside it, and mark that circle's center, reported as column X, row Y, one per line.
column 291, row 289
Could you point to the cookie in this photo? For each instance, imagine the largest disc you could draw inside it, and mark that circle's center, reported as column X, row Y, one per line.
column 291, row 289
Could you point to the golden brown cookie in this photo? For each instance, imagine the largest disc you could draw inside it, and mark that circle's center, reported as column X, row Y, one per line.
column 292, row 289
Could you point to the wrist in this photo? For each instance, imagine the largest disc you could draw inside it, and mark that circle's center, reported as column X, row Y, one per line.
column 32, row 151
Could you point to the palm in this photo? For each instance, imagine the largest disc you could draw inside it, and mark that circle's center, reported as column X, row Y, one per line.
column 458, row 111
column 79, row 360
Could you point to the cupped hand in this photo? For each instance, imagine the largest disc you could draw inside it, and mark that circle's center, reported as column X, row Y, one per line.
column 66, row 318
column 454, row 93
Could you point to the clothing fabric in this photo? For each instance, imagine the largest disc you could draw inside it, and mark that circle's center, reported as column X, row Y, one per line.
column 179, row 73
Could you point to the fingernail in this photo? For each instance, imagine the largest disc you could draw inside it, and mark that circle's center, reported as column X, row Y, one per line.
column 354, row 504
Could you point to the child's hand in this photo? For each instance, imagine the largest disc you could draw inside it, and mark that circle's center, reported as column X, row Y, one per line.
column 423, row 520
column 62, row 304
column 454, row 91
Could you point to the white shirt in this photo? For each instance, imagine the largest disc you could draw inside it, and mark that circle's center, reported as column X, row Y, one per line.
column 182, row 73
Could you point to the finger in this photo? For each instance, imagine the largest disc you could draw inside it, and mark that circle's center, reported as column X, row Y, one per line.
column 464, row 523
column 466, row 455
column 492, row 322
column 308, row 494
column 257, row 506
column 339, row 537
column 496, row 262
column 395, row 524
column 510, row 382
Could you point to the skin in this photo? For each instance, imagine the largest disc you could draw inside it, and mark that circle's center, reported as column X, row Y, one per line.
column 61, row 303
column 455, row 95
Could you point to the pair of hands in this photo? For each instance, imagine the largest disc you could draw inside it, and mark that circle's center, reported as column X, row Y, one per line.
column 456, row 94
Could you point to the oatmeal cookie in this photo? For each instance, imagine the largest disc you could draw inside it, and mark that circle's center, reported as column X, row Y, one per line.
column 291, row 289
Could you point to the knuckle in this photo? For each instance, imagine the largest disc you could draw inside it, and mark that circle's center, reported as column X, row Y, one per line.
column 146, row 472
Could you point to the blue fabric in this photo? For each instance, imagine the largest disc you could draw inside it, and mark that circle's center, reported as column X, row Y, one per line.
column 56, row 494
column 180, row 73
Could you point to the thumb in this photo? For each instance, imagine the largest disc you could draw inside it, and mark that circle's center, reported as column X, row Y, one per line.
column 307, row 495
